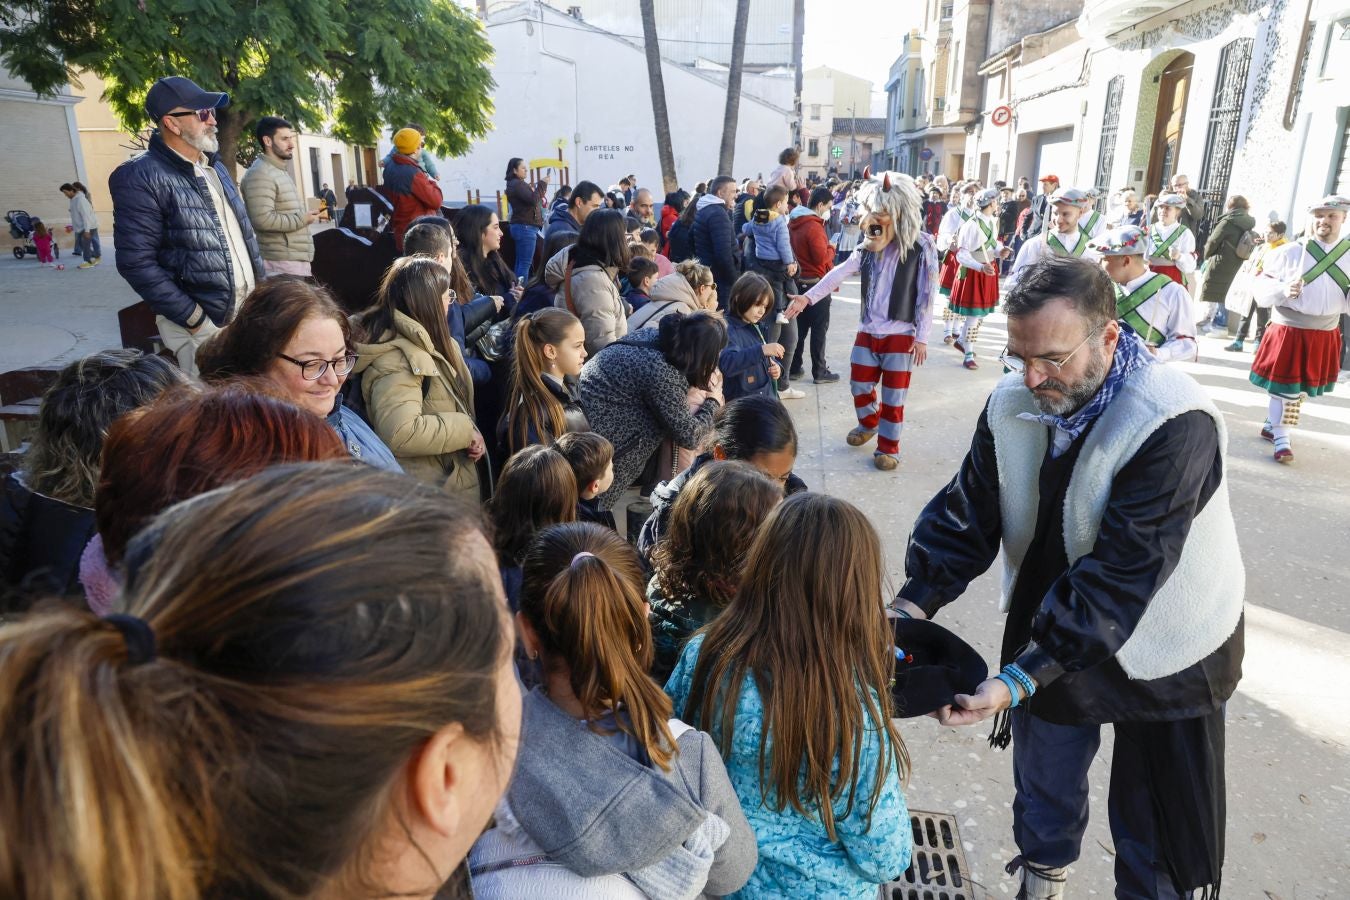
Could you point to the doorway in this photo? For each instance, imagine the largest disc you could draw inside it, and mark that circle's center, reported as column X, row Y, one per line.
column 1174, row 90
column 339, row 177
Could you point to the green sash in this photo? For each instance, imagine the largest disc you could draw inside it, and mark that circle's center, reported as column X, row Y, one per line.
column 989, row 243
column 1057, row 246
column 1326, row 263
column 1127, row 306
column 1091, row 222
column 1160, row 251
column 964, row 213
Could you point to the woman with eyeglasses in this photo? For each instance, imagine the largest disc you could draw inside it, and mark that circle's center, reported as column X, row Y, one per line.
column 416, row 387
column 294, row 335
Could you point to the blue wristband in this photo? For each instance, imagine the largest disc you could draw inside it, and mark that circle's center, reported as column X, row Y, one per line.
column 1016, row 671
column 1013, row 688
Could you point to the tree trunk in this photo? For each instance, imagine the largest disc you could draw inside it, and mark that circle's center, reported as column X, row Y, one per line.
column 727, row 157
column 229, row 128
column 656, row 82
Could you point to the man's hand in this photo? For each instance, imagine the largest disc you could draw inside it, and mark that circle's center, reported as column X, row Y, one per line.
column 477, row 447
column 920, row 357
column 313, row 216
column 796, row 303
column 915, row 611
column 990, row 698
column 792, row 269
column 988, row 269
column 1295, row 288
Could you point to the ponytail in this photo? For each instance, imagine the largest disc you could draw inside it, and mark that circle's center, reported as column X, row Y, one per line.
column 582, row 594
column 98, row 801
column 531, row 406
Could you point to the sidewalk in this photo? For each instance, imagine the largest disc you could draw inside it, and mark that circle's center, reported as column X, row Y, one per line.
column 51, row 316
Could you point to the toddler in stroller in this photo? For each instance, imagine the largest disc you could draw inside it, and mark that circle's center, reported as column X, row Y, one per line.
column 23, row 228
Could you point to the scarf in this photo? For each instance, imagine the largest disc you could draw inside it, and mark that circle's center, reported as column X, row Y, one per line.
column 1131, row 355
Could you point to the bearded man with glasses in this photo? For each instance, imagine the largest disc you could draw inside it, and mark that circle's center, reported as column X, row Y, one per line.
column 1101, row 475
column 184, row 242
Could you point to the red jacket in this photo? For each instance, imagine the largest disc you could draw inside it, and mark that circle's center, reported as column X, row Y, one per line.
column 668, row 217
column 412, row 192
column 810, row 246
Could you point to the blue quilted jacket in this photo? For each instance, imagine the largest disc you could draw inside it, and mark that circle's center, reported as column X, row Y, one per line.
column 171, row 245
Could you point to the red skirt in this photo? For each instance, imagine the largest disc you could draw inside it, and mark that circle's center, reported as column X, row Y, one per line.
column 947, row 273
column 1297, row 360
column 1171, row 272
column 975, row 293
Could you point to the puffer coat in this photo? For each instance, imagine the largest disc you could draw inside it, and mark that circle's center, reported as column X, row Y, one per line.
column 421, row 405
column 278, row 215
column 171, row 245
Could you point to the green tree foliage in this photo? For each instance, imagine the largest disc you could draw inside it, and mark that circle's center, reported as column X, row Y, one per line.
column 362, row 65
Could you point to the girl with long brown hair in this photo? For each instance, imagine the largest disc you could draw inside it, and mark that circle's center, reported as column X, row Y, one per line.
column 611, row 797
column 536, row 489
column 807, row 656
column 544, row 402
column 268, row 718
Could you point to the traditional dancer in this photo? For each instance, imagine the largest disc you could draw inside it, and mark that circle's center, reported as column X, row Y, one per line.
column 1102, row 477
column 978, row 251
column 1306, row 286
column 1061, row 237
column 1157, row 308
column 898, row 265
column 1171, row 245
column 1092, row 223
column 959, row 213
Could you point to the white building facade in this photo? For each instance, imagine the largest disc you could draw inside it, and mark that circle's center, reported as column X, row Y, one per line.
column 563, row 85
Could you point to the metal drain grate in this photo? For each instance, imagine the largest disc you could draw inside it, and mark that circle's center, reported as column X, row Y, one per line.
column 937, row 869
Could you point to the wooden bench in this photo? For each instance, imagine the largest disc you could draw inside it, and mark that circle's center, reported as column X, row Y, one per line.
column 20, row 401
column 136, row 325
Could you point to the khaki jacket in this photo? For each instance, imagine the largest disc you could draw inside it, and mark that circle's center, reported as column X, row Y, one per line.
column 428, row 428
column 596, row 302
column 278, row 214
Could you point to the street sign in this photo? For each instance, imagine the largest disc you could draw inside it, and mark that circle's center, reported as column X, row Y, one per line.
column 837, row 152
column 926, row 154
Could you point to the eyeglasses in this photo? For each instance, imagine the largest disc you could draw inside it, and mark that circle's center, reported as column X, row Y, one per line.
column 314, row 369
column 1050, row 367
column 204, row 115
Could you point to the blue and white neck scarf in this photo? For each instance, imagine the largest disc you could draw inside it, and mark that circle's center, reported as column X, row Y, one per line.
column 1131, row 355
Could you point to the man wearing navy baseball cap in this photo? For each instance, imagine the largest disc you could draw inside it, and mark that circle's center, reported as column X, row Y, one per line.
column 184, row 242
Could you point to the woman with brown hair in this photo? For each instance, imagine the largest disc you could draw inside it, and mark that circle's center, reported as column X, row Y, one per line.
column 417, row 389
column 294, row 335
column 156, row 753
column 699, row 563
column 611, row 797
column 189, row 442
column 806, row 651
column 537, row 489
column 590, row 289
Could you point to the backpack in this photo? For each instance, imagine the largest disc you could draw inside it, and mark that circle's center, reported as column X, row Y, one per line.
column 1246, row 245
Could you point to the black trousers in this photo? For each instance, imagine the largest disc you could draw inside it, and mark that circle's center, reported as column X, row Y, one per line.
column 1262, row 316
column 812, row 324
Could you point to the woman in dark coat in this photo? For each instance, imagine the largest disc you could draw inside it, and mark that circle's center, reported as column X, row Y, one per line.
column 1221, row 259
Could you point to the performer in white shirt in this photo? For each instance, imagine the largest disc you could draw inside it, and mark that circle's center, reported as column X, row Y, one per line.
column 1092, row 223
column 1153, row 305
column 955, row 217
column 1306, row 285
column 1171, row 245
column 978, row 251
column 1062, row 235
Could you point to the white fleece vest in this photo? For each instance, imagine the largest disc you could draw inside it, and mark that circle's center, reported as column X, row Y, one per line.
column 1198, row 607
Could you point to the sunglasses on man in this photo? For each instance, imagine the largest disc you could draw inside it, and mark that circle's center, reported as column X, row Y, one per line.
column 205, row 115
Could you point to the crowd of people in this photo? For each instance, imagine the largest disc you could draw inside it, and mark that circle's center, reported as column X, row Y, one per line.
column 339, row 604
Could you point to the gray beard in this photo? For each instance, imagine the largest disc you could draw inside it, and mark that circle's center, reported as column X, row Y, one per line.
column 206, row 142
column 1074, row 396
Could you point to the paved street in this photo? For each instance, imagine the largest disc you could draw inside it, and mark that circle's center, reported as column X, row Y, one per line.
column 1288, row 737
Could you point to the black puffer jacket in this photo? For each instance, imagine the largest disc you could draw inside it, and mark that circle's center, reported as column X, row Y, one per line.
column 41, row 540
column 171, row 245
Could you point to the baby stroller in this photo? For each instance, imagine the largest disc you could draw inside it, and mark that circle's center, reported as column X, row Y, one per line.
column 21, row 228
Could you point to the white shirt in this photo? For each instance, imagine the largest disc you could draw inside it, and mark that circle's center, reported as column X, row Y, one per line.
column 949, row 226
column 1096, row 228
column 971, row 239
column 1170, row 313
column 234, row 235
column 1321, row 297
column 1037, row 248
column 1158, row 233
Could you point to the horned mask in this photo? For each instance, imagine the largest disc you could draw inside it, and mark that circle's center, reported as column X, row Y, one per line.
column 892, row 211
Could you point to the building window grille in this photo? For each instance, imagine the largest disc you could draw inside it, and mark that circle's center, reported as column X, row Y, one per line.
column 1225, row 117
column 815, row 112
column 1106, row 153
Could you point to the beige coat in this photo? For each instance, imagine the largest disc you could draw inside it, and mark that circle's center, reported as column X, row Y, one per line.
column 279, row 216
column 429, row 428
column 671, row 294
column 596, row 302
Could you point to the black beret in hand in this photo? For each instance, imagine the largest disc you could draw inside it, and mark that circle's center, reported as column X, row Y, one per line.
column 932, row 666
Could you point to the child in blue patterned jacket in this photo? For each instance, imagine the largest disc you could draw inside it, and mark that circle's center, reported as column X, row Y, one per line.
column 805, row 655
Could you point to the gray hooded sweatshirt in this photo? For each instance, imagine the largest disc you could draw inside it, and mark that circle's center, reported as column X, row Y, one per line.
column 582, row 818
